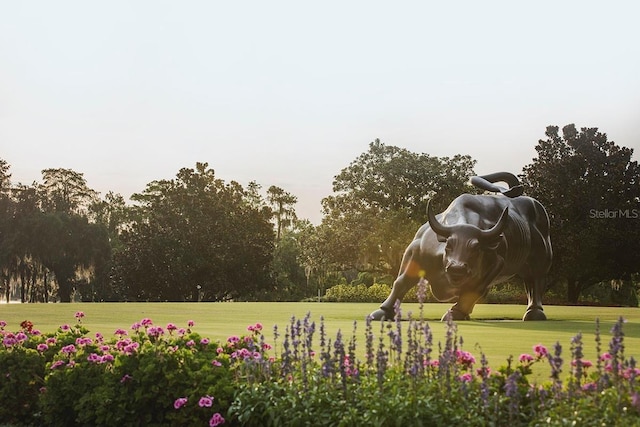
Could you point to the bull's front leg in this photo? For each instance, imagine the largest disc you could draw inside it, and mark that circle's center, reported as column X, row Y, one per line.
column 400, row 288
column 410, row 275
column 468, row 298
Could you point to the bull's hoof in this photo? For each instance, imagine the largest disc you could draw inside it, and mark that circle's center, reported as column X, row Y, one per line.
column 455, row 315
column 534, row 314
column 381, row 314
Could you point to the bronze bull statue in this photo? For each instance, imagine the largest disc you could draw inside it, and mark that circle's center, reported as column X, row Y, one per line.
column 478, row 241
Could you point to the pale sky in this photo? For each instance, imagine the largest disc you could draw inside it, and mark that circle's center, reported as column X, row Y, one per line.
column 288, row 93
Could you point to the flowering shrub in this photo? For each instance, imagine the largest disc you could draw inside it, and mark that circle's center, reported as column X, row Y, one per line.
column 148, row 375
column 169, row 375
column 407, row 379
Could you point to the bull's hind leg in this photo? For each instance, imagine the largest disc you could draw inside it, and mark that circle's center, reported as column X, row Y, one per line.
column 535, row 288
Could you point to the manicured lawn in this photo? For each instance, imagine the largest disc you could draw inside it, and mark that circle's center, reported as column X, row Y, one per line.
column 496, row 329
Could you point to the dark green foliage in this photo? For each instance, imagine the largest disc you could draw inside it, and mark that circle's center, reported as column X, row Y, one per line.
column 591, row 190
column 194, row 238
column 379, row 202
column 21, row 378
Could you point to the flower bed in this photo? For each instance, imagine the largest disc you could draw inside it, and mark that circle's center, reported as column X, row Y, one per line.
column 170, row 375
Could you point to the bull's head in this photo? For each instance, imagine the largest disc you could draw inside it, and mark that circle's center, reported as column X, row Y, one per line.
column 466, row 246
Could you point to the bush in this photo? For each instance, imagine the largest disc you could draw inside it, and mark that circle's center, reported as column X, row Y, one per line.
column 22, row 372
column 403, row 381
column 171, row 376
column 377, row 292
column 151, row 376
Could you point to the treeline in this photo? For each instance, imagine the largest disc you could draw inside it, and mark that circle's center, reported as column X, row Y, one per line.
column 198, row 238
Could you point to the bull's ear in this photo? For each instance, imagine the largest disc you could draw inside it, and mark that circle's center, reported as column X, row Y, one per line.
column 441, row 239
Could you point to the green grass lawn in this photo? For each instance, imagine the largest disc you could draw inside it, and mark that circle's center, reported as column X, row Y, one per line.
column 495, row 330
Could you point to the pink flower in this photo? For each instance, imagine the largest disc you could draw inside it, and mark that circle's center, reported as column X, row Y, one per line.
column 127, row 377
column 190, row 343
column 57, row 364
column 171, row 327
column 219, row 350
column 465, row 358
column 68, row 349
column 267, row 346
column 466, row 377
column 106, row 358
column 631, row 373
column 216, row 420
column 82, row 341
column 129, row 349
column 2, row 324
column 42, row 347
column 136, row 326
column 155, row 331
column 484, row 371
column 94, row 358
column 584, row 363
column 179, row 402
column 432, row 363
column 65, row 327
column 205, row 341
column 146, row 322
column 216, row 363
column 540, row 351
column 525, row 358
column 79, row 315
column 190, row 323
column 205, row 401
column 233, row 339
column 605, row 356
column 120, row 332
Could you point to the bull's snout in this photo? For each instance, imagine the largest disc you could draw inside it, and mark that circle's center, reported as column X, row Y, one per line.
column 457, row 270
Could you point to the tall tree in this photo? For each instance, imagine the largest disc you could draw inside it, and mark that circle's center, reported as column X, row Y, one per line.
column 6, row 229
column 65, row 190
column 71, row 248
column 283, row 207
column 380, row 201
column 194, row 238
column 591, row 189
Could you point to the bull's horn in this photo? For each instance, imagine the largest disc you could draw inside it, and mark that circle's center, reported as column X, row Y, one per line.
column 438, row 228
column 495, row 231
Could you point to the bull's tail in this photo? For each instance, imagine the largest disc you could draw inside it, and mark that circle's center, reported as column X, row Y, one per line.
column 486, row 182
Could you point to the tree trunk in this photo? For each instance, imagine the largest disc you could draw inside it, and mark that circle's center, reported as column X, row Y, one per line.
column 46, row 288
column 7, row 288
column 573, row 290
column 64, row 290
column 23, row 287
